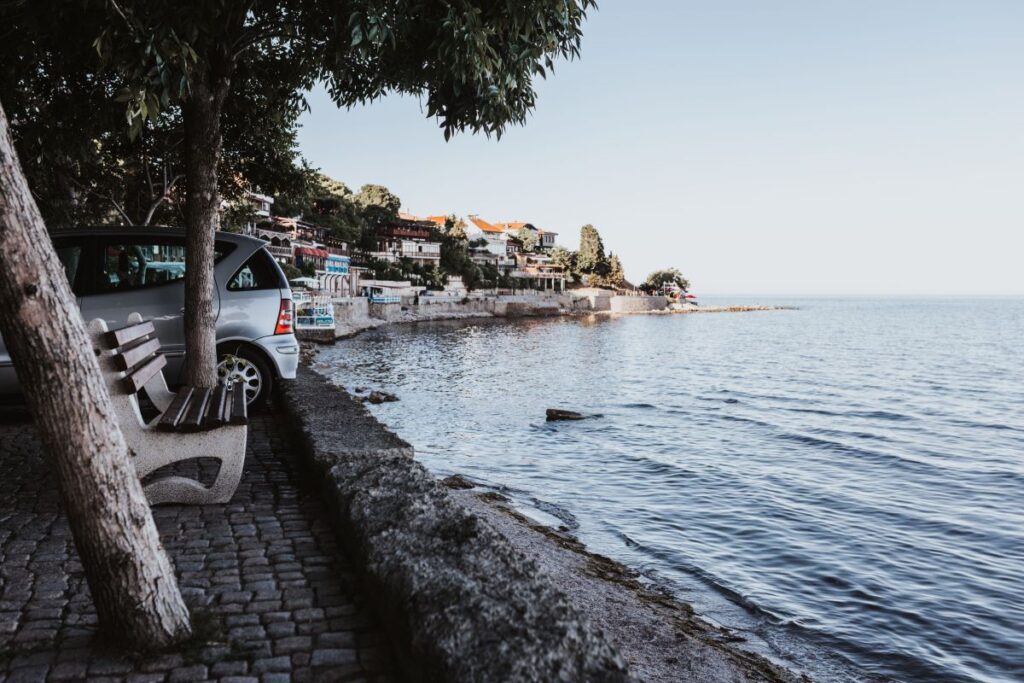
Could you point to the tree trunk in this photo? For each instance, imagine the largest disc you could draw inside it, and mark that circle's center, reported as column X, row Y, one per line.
column 131, row 579
column 203, row 143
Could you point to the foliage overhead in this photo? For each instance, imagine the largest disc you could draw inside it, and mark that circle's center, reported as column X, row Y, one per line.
column 474, row 62
column 68, row 117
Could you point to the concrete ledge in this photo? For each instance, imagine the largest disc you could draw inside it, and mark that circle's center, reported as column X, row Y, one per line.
column 463, row 603
column 631, row 304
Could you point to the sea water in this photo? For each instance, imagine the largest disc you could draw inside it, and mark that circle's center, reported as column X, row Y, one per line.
column 842, row 484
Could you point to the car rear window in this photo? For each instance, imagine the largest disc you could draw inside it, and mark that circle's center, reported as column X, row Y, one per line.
column 259, row 272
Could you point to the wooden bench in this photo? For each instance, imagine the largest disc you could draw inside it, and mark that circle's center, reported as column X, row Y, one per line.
column 193, row 422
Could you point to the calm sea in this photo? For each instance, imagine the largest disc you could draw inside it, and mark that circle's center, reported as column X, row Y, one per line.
column 843, row 483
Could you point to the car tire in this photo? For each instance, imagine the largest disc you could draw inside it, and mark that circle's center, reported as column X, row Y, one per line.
column 243, row 363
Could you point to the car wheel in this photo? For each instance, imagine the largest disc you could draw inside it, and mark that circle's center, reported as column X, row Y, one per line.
column 244, row 365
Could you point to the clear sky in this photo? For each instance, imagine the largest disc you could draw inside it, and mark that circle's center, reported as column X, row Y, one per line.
column 763, row 147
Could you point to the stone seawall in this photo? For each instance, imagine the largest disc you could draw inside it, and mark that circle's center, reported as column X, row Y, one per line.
column 462, row 601
column 637, row 304
column 356, row 314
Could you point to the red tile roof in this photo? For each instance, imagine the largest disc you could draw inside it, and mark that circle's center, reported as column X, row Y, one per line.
column 485, row 226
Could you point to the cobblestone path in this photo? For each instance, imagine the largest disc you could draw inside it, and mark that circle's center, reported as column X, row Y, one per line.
column 272, row 590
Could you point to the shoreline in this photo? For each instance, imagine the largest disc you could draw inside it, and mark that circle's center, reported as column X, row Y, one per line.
column 661, row 637
column 423, row 540
column 349, row 326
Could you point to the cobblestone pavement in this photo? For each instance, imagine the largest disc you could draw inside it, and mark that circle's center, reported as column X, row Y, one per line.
column 270, row 587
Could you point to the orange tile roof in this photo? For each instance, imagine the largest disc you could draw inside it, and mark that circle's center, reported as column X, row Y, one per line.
column 437, row 219
column 484, row 225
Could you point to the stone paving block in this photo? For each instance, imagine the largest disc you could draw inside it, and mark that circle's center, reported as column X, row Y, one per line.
column 265, row 571
column 334, row 657
column 229, row 668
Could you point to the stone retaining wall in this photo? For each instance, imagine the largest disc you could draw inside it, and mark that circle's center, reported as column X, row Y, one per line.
column 462, row 601
column 633, row 304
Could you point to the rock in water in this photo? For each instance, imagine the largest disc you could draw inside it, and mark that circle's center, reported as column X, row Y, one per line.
column 381, row 397
column 556, row 414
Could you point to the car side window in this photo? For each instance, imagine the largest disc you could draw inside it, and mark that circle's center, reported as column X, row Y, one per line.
column 259, row 272
column 144, row 262
column 130, row 265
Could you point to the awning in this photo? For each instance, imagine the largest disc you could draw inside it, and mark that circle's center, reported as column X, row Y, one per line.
column 309, row 251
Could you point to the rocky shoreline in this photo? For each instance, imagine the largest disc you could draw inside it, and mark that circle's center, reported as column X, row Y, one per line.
column 660, row 637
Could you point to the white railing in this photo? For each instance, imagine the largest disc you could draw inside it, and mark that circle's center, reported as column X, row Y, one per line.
column 409, row 253
column 279, row 251
column 312, row 312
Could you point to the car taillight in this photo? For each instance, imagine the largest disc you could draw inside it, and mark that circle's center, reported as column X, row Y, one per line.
column 285, row 318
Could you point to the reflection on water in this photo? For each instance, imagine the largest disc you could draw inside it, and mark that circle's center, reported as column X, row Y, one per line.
column 843, row 482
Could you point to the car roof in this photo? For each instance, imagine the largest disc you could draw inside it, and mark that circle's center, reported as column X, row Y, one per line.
column 144, row 230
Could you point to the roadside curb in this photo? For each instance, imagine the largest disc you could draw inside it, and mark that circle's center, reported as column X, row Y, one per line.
column 459, row 600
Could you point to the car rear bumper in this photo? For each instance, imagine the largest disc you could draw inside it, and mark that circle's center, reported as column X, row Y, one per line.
column 283, row 351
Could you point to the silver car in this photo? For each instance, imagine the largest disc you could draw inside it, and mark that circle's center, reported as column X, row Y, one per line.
column 117, row 271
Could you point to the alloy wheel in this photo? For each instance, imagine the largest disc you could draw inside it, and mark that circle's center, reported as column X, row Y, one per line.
column 237, row 369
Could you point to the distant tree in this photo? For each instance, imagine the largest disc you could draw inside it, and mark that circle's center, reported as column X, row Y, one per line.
column 528, row 238
column 489, row 275
column 561, row 256
column 377, row 205
column 335, row 207
column 455, row 227
column 436, row 279
column 668, row 276
column 591, row 259
column 290, row 271
column 616, row 275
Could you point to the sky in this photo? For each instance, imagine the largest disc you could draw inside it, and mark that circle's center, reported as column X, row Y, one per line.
column 797, row 147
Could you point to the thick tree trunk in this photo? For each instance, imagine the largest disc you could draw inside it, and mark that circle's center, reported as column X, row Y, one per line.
column 129, row 574
column 203, row 141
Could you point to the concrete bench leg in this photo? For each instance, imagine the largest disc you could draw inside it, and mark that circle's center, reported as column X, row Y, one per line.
column 158, row 449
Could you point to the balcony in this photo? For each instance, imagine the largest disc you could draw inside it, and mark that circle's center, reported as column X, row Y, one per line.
column 279, row 252
column 414, row 254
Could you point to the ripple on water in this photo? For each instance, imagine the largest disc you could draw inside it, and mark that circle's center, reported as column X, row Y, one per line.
column 842, row 484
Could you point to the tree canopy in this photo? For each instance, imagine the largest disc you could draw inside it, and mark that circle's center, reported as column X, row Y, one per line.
column 528, row 238
column 591, row 259
column 657, row 280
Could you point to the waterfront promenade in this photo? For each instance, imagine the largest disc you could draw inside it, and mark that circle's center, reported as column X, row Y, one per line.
column 274, row 597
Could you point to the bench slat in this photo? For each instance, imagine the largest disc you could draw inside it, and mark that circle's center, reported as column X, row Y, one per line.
column 239, row 408
column 137, row 379
column 126, row 334
column 172, row 416
column 193, row 421
column 132, row 356
column 215, row 412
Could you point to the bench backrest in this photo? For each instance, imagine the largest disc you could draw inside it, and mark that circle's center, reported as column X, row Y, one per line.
column 136, row 352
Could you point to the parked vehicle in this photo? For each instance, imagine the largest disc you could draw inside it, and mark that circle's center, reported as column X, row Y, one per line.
column 117, row 271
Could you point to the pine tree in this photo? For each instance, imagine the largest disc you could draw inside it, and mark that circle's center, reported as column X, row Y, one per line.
column 616, row 276
column 591, row 259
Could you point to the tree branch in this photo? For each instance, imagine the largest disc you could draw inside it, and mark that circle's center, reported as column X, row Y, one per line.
column 166, row 195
